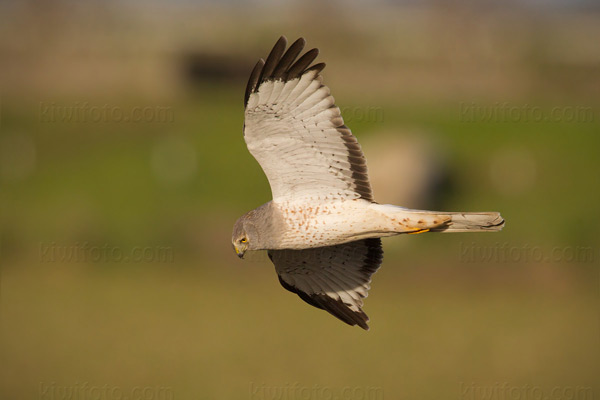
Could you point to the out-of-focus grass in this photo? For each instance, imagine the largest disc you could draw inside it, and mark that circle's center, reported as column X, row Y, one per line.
column 216, row 330
column 210, row 326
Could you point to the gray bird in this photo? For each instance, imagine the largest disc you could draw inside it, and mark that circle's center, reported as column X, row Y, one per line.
column 323, row 227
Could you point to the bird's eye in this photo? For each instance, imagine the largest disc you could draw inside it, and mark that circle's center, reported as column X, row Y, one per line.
column 244, row 240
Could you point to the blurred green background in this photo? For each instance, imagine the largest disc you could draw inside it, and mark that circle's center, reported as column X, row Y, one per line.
column 123, row 169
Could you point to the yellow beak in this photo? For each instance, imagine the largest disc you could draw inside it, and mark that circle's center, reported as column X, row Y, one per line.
column 239, row 252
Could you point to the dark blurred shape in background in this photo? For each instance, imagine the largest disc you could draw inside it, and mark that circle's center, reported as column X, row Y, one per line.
column 203, row 68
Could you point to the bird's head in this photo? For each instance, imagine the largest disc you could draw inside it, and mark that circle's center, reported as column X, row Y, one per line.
column 244, row 235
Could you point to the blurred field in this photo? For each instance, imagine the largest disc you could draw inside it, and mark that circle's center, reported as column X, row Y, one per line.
column 448, row 319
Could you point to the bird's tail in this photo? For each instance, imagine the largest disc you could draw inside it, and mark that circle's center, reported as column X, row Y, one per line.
column 418, row 221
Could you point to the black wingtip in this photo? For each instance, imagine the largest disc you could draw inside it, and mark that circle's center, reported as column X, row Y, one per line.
column 299, row 68
column 317, row 67
column 254, row 79
column 273, row 58
column 334, row 307
column 282, row 64
column 341, row 311
column 288, row 58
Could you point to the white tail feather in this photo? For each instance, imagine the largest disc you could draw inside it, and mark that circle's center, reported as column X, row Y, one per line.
column 472, row 222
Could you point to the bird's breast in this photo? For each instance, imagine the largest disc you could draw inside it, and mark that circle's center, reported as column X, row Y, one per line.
column 315, row 223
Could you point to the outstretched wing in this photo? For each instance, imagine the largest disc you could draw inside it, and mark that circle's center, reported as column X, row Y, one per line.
column 296, row 133
column 334, row 278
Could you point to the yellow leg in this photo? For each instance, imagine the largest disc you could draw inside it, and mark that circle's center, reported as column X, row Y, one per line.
column 418, row 231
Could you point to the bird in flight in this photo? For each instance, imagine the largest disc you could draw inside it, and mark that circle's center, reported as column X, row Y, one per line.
column 323, row 227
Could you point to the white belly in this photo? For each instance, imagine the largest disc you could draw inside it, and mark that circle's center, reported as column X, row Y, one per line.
column 326, row 223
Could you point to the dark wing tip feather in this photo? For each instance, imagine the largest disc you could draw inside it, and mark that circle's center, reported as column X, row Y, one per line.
column 253, row 81
column 339, row 310
column 288, row 58
column 300, row 66
column 317, row 67
column 334, row 307
column 273, row 58
column 282, row 64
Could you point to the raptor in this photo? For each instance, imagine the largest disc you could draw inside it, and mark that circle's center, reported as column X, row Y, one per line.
column 322, row 228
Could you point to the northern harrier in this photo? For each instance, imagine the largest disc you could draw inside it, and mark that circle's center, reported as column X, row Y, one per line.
column 323, row 227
